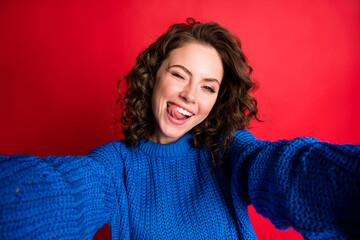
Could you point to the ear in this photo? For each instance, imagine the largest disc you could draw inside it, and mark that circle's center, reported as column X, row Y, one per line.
column 151, row 83
column 153, row 80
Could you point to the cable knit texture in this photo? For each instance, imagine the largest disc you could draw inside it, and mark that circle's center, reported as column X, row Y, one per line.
column 171, row 191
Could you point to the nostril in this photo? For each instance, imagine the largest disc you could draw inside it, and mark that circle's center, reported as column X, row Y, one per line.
column 187, row 97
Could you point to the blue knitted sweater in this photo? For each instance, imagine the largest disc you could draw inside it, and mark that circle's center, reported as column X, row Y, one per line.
column 171, row 191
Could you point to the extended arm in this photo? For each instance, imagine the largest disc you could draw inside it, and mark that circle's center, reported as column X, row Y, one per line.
column 310, row 185
column 56, row 197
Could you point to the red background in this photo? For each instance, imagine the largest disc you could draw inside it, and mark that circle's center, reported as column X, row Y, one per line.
column 60, row 61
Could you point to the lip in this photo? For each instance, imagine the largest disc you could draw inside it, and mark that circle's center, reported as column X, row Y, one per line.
column 183, row 108
column 177, row 121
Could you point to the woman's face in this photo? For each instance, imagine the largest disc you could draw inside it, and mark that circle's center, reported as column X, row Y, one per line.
column 185, row 90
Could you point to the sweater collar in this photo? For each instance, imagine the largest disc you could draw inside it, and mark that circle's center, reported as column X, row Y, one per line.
column 166, row 150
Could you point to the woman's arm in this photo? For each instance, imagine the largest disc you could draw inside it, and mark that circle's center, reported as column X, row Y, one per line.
column 310, row 185
column 57, row 197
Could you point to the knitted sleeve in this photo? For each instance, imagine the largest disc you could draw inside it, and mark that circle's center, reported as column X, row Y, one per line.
column 303, row 183
column 56, row 197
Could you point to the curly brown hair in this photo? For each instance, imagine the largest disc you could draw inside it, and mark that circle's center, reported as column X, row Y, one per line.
column 234, row 107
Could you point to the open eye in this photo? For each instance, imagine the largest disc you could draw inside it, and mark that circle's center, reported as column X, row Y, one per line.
column 209, row 89
column 175, row 74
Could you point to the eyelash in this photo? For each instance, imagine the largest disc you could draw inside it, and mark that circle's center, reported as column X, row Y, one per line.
column 210, row 89
column 207, row 88
column 177, row 75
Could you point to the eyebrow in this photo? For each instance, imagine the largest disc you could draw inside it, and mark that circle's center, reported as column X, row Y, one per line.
column 188, row 72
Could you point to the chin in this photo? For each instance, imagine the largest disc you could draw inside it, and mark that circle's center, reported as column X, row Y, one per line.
column 169, row 134
column 174, row 135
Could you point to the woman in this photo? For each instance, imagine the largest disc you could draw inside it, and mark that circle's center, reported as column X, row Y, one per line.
column 187, row 169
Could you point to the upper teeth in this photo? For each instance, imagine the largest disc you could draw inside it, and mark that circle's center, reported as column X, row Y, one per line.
column 183, row 111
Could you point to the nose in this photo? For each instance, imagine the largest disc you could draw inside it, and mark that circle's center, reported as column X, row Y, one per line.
column 188, row 93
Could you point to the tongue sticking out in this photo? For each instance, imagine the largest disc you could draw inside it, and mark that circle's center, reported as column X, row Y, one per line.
column 172, row 110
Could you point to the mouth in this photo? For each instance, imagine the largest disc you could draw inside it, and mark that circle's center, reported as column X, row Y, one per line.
column 178, row 112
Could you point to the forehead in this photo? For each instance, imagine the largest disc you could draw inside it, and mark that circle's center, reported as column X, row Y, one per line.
column 199, row 59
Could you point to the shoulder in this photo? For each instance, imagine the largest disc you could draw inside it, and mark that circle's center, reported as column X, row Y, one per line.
column 243, row 138
column 114, row 151
column 244, row 135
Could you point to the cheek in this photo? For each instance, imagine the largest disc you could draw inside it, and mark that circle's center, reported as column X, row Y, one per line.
column 157, row 94
column 155, row 102
column 207, row 105
column 160, row 95
column 169, row 90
